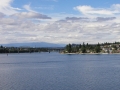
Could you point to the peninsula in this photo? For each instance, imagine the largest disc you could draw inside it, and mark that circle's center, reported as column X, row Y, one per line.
column 92, row 48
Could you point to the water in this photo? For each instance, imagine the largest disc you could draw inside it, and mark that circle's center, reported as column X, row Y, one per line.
column 54, row 71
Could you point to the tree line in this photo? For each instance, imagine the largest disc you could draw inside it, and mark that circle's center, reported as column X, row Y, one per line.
column 21, row 50
column 83, row 48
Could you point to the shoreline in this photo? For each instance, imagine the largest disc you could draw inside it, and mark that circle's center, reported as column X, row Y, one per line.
column 90, row 53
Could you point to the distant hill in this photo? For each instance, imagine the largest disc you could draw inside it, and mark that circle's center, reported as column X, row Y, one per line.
column 33, row 44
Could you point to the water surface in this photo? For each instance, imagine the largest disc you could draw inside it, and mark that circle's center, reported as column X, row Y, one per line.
column 54, row 71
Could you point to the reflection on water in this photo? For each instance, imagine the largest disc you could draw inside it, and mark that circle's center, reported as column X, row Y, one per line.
column 54, row 71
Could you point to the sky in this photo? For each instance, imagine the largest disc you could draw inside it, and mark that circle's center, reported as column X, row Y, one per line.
column 59, row 21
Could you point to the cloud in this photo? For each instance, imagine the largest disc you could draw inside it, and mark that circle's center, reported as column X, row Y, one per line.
column 2, row 15
column 51, row 7
column 30, row 15
column 76, row 18
column 105, row 18
column 102, row 27
column 6, row 8
column 115, row 6
column 21, row 30
column 88, row 10
column 86, row 19
column 28, row 8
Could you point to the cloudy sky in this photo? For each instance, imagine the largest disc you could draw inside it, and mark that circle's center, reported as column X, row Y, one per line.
column 59, row 21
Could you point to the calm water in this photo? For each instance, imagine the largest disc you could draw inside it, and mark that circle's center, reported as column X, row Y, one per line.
column 54, row 71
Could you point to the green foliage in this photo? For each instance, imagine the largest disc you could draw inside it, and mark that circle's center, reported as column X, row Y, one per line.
column 80, row 46
column 97, row 48
column 114, row 46
column 83, row 49
column 69, row 48
column 1, row 46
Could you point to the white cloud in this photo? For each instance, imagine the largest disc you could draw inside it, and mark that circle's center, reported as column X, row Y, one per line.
column 115, row 6
column 12, row 30
column 88, row 10
column 31, row 15
column 28, row 8
column 6, row 8
column 102, row 27
column 51, row 7
column 1, row 15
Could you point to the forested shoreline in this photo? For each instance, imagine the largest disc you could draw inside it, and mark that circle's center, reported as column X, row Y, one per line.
column 93, row 48
column 28, row 49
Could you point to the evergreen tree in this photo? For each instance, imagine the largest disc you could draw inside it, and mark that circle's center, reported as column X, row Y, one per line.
column 83, row 49
column 1, row 46
column 69, row 48
column 80, row 46
column 77, row 48
column 97, row 48
column 87, row 46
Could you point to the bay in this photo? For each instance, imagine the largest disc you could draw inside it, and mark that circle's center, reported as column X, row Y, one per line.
column 54, row 71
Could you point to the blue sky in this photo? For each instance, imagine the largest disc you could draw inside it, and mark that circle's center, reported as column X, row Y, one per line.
column 59, row 21
column 60, row 6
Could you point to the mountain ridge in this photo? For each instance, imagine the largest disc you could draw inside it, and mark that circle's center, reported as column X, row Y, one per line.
column 33, row 44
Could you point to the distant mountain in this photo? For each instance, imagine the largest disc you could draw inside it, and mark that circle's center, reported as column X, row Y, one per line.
column 33, row 44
